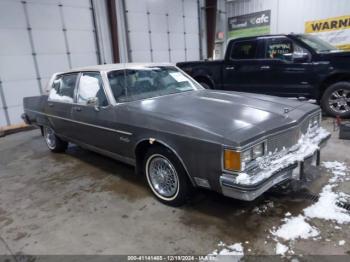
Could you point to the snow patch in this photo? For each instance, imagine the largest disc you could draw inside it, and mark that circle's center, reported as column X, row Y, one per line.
column 235, row 251
column 326, row 208
column 281, row 249
column 294, row 228
column 341, row 242
column 243, row 178
column 335, row 165
column 338, row 170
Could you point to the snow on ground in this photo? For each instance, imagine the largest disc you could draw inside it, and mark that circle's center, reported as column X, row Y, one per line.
column 235, row 252
column 281, row 249
column 341, row 242
column 298, row 227
column 294, row 228
column 326, row 208
column 338, row 169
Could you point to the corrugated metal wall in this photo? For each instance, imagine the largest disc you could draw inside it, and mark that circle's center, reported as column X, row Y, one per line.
column 39, row 38
column 290, row 15
column 162, row 30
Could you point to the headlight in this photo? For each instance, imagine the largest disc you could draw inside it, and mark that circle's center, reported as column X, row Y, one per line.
column 315, row 121
column 246, row 156
column 237, row 161
column 258, row 151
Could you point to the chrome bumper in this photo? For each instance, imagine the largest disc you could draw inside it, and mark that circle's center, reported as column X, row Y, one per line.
column 25, row 118
column 295, row 170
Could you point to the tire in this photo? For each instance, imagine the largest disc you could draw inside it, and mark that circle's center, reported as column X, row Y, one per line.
column 172, row 187
column 205, row 85
column 53, row 142
column 339, row 93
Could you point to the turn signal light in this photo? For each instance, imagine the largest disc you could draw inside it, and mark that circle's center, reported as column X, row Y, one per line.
column 232, row 160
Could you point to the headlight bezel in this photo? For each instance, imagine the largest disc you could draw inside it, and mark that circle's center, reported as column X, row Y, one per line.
column 247, row 156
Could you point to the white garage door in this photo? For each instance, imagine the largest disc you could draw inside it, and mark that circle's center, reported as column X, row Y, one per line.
column 162, row 30
column 38, row 38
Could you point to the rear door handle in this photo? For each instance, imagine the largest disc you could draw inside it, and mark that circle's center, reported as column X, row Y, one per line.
column 265, row 67
column 230, row 68
column 50, row 104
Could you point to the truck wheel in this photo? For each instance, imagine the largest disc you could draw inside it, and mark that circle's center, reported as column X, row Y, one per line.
column 166, row 177
column 336, row 99
column 205, row 85
column 54, row 143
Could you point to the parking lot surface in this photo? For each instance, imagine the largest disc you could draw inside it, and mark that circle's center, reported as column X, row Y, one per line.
column 83, row 203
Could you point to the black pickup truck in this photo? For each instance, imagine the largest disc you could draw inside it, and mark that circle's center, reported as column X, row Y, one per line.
column 294, row 65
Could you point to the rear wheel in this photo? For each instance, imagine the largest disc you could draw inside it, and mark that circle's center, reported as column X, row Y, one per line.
column 54, row 143
column 336, row 99
column 166, row 177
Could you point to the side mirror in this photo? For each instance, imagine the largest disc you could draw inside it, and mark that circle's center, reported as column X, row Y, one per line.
column 300, row 57
column 93, row 101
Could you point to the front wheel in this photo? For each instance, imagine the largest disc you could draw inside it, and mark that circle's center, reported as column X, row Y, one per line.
column 166, row 177
column 336, row 100
column 54, row 143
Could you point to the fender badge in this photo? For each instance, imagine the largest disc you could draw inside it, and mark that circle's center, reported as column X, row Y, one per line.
column 286, row 110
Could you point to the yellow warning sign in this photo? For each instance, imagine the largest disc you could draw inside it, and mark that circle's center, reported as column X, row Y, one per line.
column 335, row 30
column 330, row 24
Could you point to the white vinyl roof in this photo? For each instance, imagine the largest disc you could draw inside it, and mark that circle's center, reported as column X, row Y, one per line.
column 110, row 67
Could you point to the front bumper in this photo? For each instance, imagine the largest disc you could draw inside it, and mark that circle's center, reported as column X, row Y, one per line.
column 26, row 119
column 289, row 166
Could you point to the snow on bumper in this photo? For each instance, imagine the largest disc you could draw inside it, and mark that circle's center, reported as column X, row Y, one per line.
column 276, row 167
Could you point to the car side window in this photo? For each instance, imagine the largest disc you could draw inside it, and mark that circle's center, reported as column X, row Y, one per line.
column 91, row 88
column 63, row 88
column 117, row 81
column 244, row 50
column 279, row 48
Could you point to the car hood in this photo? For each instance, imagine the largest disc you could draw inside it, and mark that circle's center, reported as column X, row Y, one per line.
column 339, row 54
column 231, row 116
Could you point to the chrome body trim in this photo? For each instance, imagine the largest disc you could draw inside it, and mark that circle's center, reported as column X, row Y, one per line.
column 82, row 123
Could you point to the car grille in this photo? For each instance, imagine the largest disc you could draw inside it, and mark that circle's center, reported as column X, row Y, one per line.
column 283, row 140
column 291, row 136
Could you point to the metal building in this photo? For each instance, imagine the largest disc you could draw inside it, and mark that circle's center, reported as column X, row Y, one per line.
column 40, row 37
column 289, row 15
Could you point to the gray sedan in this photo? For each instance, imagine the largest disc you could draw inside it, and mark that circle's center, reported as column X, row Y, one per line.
column 178, row 134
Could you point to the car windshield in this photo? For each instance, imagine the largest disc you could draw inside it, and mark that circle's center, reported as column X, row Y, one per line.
column 317, row 44
column 146, row 82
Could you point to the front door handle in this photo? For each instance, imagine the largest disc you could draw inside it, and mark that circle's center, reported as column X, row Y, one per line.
column 77, row 108
column 230, row 68
column 265, row 67
column 50, row 104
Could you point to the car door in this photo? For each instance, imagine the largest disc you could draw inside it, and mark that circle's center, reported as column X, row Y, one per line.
column 286, row 67
column 94, row 115
column 60, row 102
column 241, row 69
